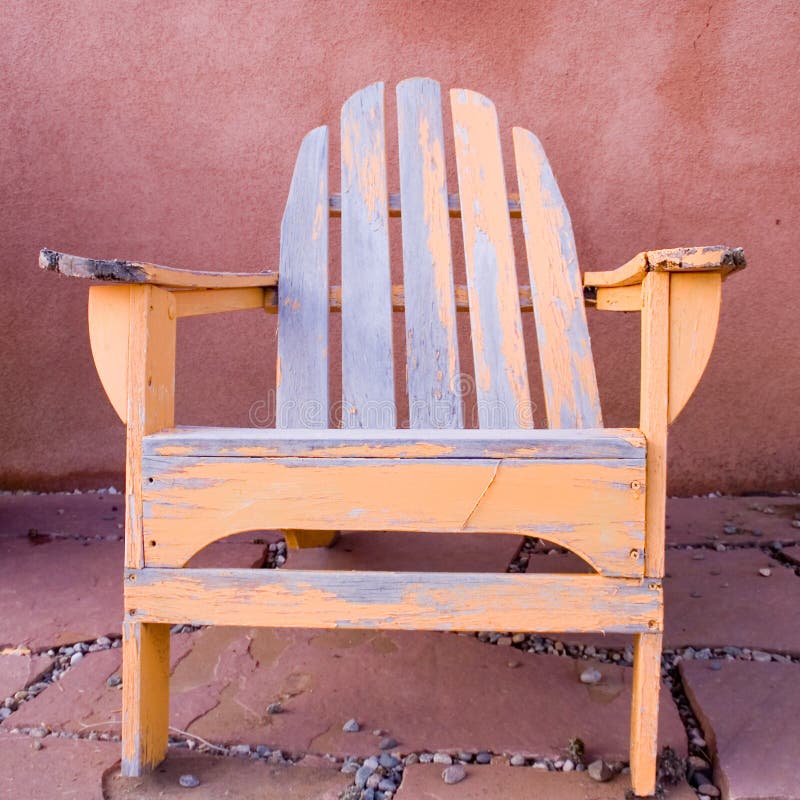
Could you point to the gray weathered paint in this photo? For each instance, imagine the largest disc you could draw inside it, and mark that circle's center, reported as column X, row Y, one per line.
column 399, row 601
column 497, row 341
column 432, row 370
column 302, row 386
column 571, row 394
column 368, row 399
column 605, row 443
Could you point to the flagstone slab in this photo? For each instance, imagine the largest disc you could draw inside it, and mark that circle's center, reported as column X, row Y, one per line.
column 60, row 592
column 220, row 777
column 428, row 690
column 82, row 701
column 711, row 599
column 63, row 515
column 408, row 552
column 18, row 670
column 750, row 714
column 703, row 520
column 486, row 782
column 718, row 599
column 62, row 769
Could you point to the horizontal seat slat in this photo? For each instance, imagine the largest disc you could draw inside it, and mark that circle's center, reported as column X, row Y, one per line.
column 606, row 443
column 394, row 601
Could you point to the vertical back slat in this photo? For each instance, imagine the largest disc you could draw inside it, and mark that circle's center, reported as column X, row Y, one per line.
column 497, row 342
column 302, row 380
column 432, row 370
column 367, row 368
column 565, row 353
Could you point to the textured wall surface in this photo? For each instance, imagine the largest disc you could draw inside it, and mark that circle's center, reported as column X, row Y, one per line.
column 167, row 132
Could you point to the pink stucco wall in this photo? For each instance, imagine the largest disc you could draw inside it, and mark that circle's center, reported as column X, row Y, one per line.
column 167, row 131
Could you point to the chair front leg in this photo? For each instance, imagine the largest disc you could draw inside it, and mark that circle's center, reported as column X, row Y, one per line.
column 145, row 696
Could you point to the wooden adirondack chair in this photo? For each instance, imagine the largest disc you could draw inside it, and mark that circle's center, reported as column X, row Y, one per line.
column 599, row 492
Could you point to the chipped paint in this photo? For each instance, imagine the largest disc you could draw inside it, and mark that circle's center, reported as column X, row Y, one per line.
column 395, row 601
column 499, row 351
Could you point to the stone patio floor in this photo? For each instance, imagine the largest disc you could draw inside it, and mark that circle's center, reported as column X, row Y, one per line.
column 260, row 713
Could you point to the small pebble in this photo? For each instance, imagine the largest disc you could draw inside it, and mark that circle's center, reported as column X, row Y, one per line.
column 761, row 656
column 388, row 761
column 513, row 664
column 591, row 676
column 442, row 758
column 716, row 665
column 387, row 744
column 708, row 789
column 362, row 776
column 504, row 641
column 483, row 758
column 455, row 773
column 75, row 658
column 600, row 771
column 796, row 523
column 765, row 572
column 351, row 726
column 517, row 760
column 189, row 781
column 114, row 680
column 275, row 708
column 569, row 765
column 37, row 744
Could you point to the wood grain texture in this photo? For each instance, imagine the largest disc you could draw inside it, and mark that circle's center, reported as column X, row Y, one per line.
column 629, row 274
column 432, row 368
column 394, row 601
column 151, row 396
column 644, row 712
column 145, row 696
column 109, row 331
column 565, row 352
column 653, row 412
column 198, row 302
column 605, row 443
column 367, row 367
column 713, row 258
column 619, row 298
column 117, row 271
column 302, row 361
column 694, row 304
column 710, row 258
column 501, row 377
column 593, row 507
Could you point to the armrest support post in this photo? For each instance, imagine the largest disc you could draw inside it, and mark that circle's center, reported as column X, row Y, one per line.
column 151, row 397
column 653, row 413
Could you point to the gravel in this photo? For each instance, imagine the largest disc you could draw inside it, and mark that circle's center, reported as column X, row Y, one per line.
column 351, row 726
column 189, row 781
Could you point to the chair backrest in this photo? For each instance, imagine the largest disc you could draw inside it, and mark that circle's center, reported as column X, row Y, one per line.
column 433, row 374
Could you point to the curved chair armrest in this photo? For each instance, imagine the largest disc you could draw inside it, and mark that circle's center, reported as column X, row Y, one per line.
column 139, row 273
column 714, row 258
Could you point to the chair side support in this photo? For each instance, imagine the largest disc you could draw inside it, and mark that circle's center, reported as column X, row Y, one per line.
column 151, row 407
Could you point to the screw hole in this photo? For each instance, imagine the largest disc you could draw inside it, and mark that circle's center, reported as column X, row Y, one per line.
column 131, row 612
column 152, row 543
column 634, row 554
column 651, row 623
column 151, row 480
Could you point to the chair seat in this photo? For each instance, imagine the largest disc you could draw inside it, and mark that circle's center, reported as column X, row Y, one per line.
column 596, row 443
